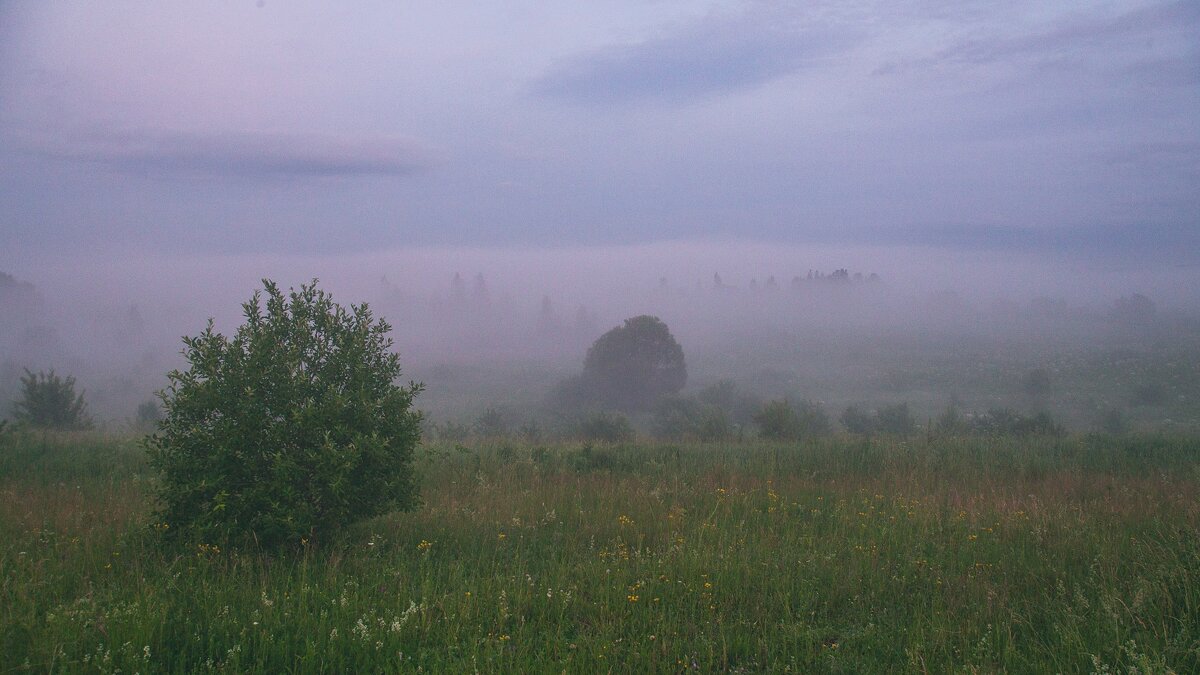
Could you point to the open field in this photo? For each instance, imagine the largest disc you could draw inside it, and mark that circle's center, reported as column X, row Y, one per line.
column 1075, row 554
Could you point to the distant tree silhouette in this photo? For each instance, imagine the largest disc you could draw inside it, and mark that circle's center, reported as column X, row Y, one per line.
column 1134, row 309
column 635, row 364
column 1036, row 382
column 548, row 322
column 479, row 290
column 458, row 288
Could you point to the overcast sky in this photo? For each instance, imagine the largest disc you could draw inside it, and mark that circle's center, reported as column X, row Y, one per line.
column 296, row 127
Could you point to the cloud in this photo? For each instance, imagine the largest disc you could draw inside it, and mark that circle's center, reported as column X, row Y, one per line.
column 236, row 153
column 718, row 54
column 1077, row 36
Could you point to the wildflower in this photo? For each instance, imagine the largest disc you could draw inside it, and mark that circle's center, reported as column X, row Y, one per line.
column 625, row 520
column 424, row 545
column 501, row 536
column 632, row 597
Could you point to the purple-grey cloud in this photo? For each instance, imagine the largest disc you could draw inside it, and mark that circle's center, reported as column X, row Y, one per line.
column 1085, row 35
column 233, row 153
column 716, row 55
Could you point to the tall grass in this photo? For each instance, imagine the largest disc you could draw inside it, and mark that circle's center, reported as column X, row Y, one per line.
column 1074, row 554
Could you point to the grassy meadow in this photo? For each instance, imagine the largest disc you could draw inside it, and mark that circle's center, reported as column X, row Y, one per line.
column 845, row 554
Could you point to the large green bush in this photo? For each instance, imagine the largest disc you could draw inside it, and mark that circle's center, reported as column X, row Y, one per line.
column 290, row 430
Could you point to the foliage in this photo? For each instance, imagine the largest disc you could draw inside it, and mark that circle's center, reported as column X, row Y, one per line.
column 605, row 427
column 780, row 420
column 895, row 419
column 635, row 364
column 290, row 430
column 452, row 431
column 50, row 402
column 892, row 419
column 738, row 406
column 1112, row 421
column 530, row 431
column 149, row 414
column 1009, row 422
column 951, row 422
column 857, row 421
column 679, row 417
column 713, row 425
column 777, row 421
column 491, row 424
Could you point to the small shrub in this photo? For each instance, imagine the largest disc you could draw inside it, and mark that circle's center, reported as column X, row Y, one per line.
column 530, row 432
column 739, row 407
column 289, row 430
column 713, row 425
column 857, row 421
column 1112, row 421
column 951, row 422
column 590, row 458
column 676, row 417
column 452, row 431
column 812, row 418
column 605, row 427
column 892, row 419
column 778, row 421
column 491, row 424
column 50, row 402
column 895, row 419
column 149, row 414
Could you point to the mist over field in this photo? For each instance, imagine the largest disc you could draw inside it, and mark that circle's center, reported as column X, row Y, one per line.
column 498, row 328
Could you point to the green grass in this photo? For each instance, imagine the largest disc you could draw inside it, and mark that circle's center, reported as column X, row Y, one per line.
column 845, row 555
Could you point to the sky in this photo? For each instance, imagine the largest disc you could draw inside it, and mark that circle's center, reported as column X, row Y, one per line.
column 297, row 128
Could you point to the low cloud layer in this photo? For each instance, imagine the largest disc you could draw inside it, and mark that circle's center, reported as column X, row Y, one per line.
column 241, row 154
